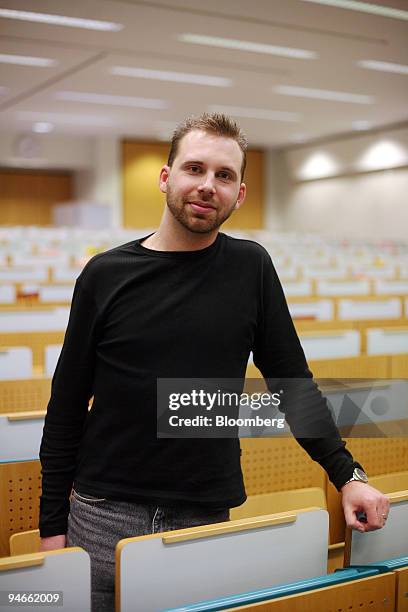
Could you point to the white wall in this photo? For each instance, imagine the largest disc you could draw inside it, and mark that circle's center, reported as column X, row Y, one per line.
column 350, row 203
column 95, row 162
column 101, row 181
column 367, row 207
column 28, row 150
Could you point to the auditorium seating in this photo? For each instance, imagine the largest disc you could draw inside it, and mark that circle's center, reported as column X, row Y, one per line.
column 349, row 587
column 33, row 321
column 20, row 488
column 280, row 501
column 392, row 482
column 221, row 559
column 52, row 352
column 24, row 395
column 348, row 590
column 16, row 362
column 25, row 542
column 390, row 341
column 63, row 574
column 343, row 287
column 389, row 542
column 331, row 345
column 350, row 308
column 20, row 435
column 7, row 294
column 37, row 341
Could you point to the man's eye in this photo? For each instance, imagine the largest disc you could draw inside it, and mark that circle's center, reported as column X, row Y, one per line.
column 195, row 169
column 225, row 176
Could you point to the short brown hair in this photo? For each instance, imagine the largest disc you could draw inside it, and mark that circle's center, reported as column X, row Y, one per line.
column 215, row 123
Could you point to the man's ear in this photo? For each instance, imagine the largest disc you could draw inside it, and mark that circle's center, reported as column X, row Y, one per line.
column 164, row 177
column 241, row 196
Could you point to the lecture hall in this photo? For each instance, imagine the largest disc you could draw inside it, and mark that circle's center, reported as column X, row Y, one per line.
column 253, row 158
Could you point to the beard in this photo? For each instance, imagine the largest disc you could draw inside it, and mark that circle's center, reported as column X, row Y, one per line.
column 197, row 223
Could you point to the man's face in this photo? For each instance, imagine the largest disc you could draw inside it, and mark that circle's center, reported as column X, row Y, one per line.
column 203, row 186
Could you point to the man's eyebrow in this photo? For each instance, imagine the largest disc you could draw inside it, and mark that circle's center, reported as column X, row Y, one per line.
column 200, row 163
column 193, row 161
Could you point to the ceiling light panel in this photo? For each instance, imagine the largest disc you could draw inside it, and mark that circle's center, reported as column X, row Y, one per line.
column 111, row 100
column 361, row 125
column 323, row 94
column 255, row 113
column 246, row 45
column 27, row 60
column 43, row 127
column 176, row 77
column 365, row 7
column 65, row 118
column 383, row 66
column 61, row 20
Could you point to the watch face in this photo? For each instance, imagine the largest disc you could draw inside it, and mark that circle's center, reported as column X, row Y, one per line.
column 360, row 475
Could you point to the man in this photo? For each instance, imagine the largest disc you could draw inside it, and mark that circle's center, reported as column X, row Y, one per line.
column 184, row 302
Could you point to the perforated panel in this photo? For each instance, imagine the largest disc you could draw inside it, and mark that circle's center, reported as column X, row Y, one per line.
column 399, row 366
column 379, row 455
column 22, row 395
column 278, row 465
column 20, row 489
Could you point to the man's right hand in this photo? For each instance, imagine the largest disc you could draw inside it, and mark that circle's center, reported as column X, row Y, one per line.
column 53, row 542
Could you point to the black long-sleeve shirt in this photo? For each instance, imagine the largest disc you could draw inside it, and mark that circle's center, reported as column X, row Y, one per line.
column 138, row 315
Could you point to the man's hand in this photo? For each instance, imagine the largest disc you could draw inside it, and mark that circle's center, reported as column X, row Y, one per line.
column 360, row 497
column 53, row 542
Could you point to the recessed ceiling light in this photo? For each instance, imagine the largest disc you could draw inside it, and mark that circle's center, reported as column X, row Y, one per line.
column 255, row 113
column 61, row 20
column 383, row 154
column 27, row 60
column 43, row 127
column 361, row 125
column 177, row 77
column 93, row 98
column 246, row 45
column 365, row 7
column 319, row 164
column 383, row 66
column 323, row 94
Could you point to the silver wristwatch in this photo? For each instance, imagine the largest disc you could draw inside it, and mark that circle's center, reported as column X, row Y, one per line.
column 359, row 475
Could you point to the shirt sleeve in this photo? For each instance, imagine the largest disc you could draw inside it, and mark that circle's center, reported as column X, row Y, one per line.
column 67, row 410
column 278, row 354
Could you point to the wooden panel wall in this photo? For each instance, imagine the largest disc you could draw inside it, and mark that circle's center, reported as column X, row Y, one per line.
column 143, row 201
column 27, row 196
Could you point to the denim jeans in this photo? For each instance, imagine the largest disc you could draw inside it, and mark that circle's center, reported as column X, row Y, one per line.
column 97, row 525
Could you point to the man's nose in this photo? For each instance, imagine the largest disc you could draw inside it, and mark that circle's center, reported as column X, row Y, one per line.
column 207, row 184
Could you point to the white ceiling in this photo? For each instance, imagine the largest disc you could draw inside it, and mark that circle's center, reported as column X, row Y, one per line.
column 149, row 40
